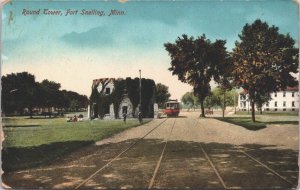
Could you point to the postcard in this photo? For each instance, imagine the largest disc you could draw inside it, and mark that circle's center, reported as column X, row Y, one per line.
column 149, row 94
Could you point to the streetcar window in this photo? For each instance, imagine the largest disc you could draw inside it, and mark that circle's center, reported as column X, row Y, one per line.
column 171, row 105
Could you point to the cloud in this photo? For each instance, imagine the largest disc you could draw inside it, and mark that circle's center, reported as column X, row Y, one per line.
column 95, row 37
column 4, row 57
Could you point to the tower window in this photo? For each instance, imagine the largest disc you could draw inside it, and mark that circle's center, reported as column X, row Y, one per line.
column 107, row 90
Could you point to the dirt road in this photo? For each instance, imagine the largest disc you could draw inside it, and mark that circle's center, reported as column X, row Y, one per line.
column 183, row 152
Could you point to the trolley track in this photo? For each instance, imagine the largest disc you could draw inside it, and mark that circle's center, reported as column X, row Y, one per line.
column 160, row 159
column 114, row 158
column 185, row 164
column 267, row 167
column 250, row 157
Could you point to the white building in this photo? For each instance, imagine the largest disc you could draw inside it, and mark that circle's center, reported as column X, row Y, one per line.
column 287, row 100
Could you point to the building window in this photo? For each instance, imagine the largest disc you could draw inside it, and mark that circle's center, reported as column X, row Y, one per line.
column 283, row 93
column 267, row 109
column 284, row 104
column 293, row 109
column 284, row 109
column 275, row 94
column 275, row 104
column 267, row 104
column 293, row 104
column 242, row 97
column 275, row 109
column 293, row 94
column 107, row 91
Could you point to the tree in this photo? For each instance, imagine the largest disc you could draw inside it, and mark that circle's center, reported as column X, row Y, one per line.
column 195, row 61
column 162, row 94
column 224, row 78
column 261, row 99
column 217, row 99
column 225, row 98
column 21, row 92
column 68, row 100
column 74, row 105
column 190, row 100
column 213, row 100
column 51, row 94
column 18, row 92
column 263, row 60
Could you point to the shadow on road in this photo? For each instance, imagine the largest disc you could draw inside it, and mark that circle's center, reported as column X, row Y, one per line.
column 16, row 158
column 183, row 165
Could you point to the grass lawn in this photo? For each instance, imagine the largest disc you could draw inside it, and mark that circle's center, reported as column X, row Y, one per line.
column 244, row 122
column 31, row 142
column 273, row 113
column 261, row 120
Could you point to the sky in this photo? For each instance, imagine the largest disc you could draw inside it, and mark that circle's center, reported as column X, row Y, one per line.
column 75, row 49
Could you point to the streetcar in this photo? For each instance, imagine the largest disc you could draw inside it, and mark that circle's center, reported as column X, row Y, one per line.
column 172, row 108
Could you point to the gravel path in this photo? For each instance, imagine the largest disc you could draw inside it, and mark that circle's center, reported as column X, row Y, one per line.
column 209, row 130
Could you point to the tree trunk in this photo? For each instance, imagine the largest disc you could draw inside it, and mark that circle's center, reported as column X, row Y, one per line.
column 49, row 110
column 260, row 110
column 253, row 110
column 202, row 109
column 224, row 105
column 30, row 113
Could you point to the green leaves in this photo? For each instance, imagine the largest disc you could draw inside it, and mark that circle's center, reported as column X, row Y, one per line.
column 196, row 61
column 263, row 60
column 132, row 89
column 162, row 94
column 20, row 91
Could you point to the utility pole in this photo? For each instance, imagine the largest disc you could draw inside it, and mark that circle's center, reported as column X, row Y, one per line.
column 234, row 101
column 248, row 102
column 140, row 108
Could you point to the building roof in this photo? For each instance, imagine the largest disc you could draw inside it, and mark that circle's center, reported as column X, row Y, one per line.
column 244, row 91
column 295, row 88
column 104, row 80
column 289, row 88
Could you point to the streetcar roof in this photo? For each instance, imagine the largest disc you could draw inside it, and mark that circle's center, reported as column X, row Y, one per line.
column 172, row 102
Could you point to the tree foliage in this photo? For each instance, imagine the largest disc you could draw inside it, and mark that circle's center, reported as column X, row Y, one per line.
column 263, row 60
column 190, row 100
column 216, row 98
column 196, row 62
column 20, row 91
column 213, row 100
column 101, row 101
column 162, row 94
column 261, row 99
